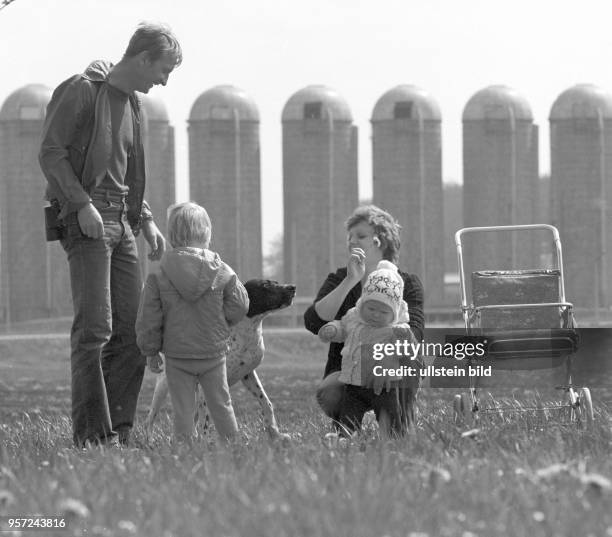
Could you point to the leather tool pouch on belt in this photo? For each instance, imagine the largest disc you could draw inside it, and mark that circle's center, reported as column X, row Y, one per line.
column 55, row 228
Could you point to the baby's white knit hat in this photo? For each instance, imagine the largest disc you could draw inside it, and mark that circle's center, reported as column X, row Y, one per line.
column 385, row 285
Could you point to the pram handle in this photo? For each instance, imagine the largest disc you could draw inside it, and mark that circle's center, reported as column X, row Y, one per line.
column 524, row 227
column 518, row 227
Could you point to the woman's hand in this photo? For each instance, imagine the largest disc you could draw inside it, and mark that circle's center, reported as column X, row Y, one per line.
column 355, row 268
column 327, row 307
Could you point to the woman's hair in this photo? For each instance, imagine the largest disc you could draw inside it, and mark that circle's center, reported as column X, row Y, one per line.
column 188, row 225
column 156, row 39
column 385, row 228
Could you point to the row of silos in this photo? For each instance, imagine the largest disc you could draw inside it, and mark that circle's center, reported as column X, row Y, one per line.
column 34, row 278
column 320, row 184
column 500, row 177
column 407, row 180
column 581, row 191
column 501, row 180
column 501, row 186
column 224, row 171
column 33, row 284
column 158, row 141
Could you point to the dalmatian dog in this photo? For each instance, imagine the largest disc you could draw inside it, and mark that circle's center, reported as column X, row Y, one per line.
column 246, row 351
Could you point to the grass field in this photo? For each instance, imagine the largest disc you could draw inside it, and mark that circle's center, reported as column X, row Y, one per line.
column 524, row 474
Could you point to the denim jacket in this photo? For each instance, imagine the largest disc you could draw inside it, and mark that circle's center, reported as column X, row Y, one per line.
column 73, row 114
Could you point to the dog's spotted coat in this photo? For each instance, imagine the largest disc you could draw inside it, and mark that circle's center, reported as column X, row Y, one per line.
column 246, row 351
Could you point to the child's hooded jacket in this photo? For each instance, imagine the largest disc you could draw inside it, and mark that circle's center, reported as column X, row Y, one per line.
column 188, row 305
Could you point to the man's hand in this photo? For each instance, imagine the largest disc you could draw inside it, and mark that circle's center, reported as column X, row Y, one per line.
column 90, row 222
column 155, row 362
column 155, row 239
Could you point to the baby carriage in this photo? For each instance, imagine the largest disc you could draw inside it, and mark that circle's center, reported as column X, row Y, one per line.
column 524, row 320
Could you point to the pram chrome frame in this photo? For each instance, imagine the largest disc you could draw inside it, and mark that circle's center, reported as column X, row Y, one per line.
column 579, row 402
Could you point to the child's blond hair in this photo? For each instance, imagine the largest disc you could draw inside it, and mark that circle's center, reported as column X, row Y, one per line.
column 188, row 225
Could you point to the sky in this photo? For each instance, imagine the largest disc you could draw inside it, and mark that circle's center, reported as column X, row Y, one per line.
column 360, row 48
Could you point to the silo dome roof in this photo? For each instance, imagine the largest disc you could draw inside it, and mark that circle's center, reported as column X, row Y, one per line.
column 390, row 105
column 154, row 108
column 27, row 103
column 582, row 101
column 296, row 107
column 216, row 102
column 494, row 102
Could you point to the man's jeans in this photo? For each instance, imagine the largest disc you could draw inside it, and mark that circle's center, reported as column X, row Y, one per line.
column 106, row 365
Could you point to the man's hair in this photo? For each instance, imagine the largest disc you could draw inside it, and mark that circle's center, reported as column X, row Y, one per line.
column 156, row 39
column 188, row 224
column 386, row 228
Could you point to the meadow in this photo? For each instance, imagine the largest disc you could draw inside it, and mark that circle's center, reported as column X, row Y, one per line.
column 530, row 474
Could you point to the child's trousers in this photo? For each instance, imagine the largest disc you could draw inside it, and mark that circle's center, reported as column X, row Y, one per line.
column 183, row 375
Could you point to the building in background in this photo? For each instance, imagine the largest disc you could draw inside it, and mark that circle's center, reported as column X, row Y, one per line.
column 158, row 141
column 407, row 180
column 500, row 187
column 34, row 278
column 224, row 174
column 500, row 178
column 320, row 184
column 453, row 221
column 581, row 191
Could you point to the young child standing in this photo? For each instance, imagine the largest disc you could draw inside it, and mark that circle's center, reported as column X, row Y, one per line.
column 185, row 312
column 380, row 315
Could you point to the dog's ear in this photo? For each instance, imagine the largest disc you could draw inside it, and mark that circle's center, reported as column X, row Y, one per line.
column 251, row 285
column 254, row 289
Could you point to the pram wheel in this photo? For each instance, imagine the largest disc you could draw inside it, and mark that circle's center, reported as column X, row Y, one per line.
column 463, row 409
column 581, row 406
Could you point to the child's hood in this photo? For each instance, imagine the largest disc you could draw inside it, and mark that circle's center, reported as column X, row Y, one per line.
column 192, row 271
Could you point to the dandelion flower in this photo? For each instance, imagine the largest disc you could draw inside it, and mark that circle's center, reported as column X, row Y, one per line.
column 127, row 525
column 551, row 471
column 72, row 507
column 6, row 498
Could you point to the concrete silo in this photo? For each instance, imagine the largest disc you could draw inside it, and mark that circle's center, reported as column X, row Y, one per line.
column 407, row 180
column 224, row 174
column 581, row 191
column 34, row 273
column 500, row 177
column 158, row 139
column 320, row 184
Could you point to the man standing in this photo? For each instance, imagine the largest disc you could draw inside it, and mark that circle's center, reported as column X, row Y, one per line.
column 92, row 156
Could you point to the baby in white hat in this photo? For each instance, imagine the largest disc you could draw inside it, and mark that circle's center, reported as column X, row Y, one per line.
column 381, row 314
